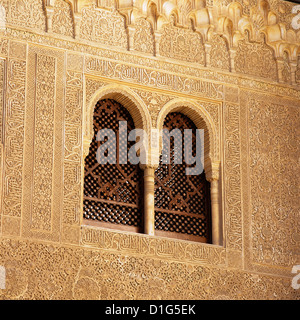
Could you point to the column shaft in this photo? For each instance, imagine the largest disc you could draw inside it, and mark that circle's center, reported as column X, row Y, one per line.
column 214, row 190
column 149, row 219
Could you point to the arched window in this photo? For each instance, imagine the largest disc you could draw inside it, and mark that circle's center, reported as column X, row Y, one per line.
column 182, row 202
column 113, row 193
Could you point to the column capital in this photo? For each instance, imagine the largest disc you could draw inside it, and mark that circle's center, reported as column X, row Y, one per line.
column 212, row 173
column 144, row 167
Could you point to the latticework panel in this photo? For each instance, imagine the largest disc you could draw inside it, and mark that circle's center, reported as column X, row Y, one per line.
column 182, row 202
column 112, row 191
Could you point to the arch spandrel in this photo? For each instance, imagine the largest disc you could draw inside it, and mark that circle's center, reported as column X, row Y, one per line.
column 122, row 94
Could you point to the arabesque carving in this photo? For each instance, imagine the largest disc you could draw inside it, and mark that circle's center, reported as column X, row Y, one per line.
column 25, row 13
column 104, row 26
column 62, row 19
column 143, row 39
column 219, row 54
column 257, row 59
column 181, row 44
column 205, row 59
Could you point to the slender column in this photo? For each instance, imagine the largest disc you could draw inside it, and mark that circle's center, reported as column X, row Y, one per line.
column 215, row 212
column 212, row 175
column 149, row 218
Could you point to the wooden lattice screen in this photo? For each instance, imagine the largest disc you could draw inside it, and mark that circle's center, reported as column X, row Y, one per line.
column 112, row 192
column 182, row 202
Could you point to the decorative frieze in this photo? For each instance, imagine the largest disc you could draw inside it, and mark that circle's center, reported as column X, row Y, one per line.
column 152, row 246
column 153, row 78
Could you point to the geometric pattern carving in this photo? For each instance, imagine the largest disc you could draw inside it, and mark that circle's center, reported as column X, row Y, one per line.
column 62, row 19
column 255, row 58
column 112, row 192
column 182, row 202
column 182, row 44
column 103, row 26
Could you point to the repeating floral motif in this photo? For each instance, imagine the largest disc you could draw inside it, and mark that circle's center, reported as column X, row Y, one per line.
column 43, row 147
column 102, row 23
column 62, row 19
column 139, row 64
column 143, row 39
column 219, row 54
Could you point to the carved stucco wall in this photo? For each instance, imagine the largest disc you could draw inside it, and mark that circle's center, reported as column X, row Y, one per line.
column 54, row 62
